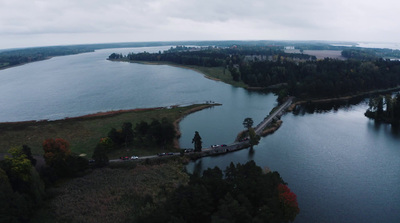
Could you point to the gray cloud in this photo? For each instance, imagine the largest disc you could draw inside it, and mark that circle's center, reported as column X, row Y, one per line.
column 44, row 22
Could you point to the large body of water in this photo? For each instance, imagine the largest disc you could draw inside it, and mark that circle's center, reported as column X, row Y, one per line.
column 342, row 166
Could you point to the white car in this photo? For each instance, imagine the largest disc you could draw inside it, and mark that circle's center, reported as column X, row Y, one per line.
column 214, row 146
column 134, row 157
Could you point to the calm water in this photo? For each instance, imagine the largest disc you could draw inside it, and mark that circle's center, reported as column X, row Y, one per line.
column 342, row 166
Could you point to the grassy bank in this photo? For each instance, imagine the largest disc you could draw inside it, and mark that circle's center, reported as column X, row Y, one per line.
column 214, row 73
column 84, row 133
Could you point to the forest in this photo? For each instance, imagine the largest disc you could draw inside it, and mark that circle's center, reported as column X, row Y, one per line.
column 22, row 56
column 25, row 184
column 242, row 193
column 299, row 74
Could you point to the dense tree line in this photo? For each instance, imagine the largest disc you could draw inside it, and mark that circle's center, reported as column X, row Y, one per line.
column 384, row 108
column 325, row 78
column 157, row 132
column 302, row 77
column 370, row 53
column 21, row 56
column 243, row 193
column 360, row 54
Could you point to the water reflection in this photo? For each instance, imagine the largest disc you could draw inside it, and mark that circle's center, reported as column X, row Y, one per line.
column 326, row 107
column 251, row 154
column 383, row 128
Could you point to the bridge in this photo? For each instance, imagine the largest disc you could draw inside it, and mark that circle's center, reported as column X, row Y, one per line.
column 258, row 130
column 237, row 145
column 277, row 113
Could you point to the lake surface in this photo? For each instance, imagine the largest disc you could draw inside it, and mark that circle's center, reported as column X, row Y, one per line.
column 342, row 166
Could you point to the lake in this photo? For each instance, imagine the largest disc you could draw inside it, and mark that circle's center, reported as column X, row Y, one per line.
column 342, row 166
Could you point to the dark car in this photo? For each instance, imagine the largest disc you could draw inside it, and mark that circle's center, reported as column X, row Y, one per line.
column 223, row 145
column 170, row 153
column 161, row 154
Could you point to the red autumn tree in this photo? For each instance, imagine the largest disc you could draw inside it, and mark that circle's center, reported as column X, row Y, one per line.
column 55, row 150
column 288, row 200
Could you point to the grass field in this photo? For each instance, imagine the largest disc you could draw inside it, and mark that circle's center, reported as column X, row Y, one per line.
column 85, row 132
column 114, row 194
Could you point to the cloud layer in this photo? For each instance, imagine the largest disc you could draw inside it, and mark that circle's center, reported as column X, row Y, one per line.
column 59, row 22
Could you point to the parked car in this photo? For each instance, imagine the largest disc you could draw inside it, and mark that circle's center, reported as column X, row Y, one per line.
column 161, row 154
column 214, row 146
column 134, row 157
column 244, row 139
column 170, row 153
column 223, row 145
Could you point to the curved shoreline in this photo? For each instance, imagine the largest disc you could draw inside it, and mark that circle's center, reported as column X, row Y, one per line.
column 189, row 67
column 343, row 98
column 177, row 121
column 88, row 116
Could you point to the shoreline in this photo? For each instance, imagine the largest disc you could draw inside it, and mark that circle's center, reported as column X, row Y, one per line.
column 177, row 121
column 88, row 116
column 21, row 64
column 343, row 98
column 189, row 67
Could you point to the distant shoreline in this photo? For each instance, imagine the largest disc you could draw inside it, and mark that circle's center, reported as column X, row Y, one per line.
column 21, row 64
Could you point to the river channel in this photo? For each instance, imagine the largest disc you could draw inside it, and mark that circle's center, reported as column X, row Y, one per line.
column 342, row 166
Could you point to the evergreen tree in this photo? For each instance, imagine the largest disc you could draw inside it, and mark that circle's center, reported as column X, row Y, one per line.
column 127, row 133
column 197, row 142
column 100, row 156
column 248, row 123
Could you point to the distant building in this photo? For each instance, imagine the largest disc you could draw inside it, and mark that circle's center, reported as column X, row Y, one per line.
column 289, row 47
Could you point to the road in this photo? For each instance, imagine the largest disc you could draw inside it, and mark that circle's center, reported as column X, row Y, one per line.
column 260, row 127
column 236, row 145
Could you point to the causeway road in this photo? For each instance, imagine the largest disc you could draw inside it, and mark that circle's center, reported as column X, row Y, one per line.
column 260, row 127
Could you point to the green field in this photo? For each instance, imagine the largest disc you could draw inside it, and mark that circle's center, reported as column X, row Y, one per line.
column 215, row 73
column 84, row 133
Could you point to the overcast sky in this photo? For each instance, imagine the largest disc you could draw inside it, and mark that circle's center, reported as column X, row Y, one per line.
column 25, row 23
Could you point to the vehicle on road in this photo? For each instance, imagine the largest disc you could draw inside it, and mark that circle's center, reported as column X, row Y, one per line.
column 124, row 157
column 244, row 139
column 214, row 146
column 223, row 145
column 161, row 154
column 134, row 157
column 170, row 153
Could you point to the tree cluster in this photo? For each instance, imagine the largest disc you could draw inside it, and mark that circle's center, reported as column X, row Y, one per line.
column 22, row 188
column 384, row 108
column 243, row 193
column 60, row 160
column 360, row 54
column 160, row 133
